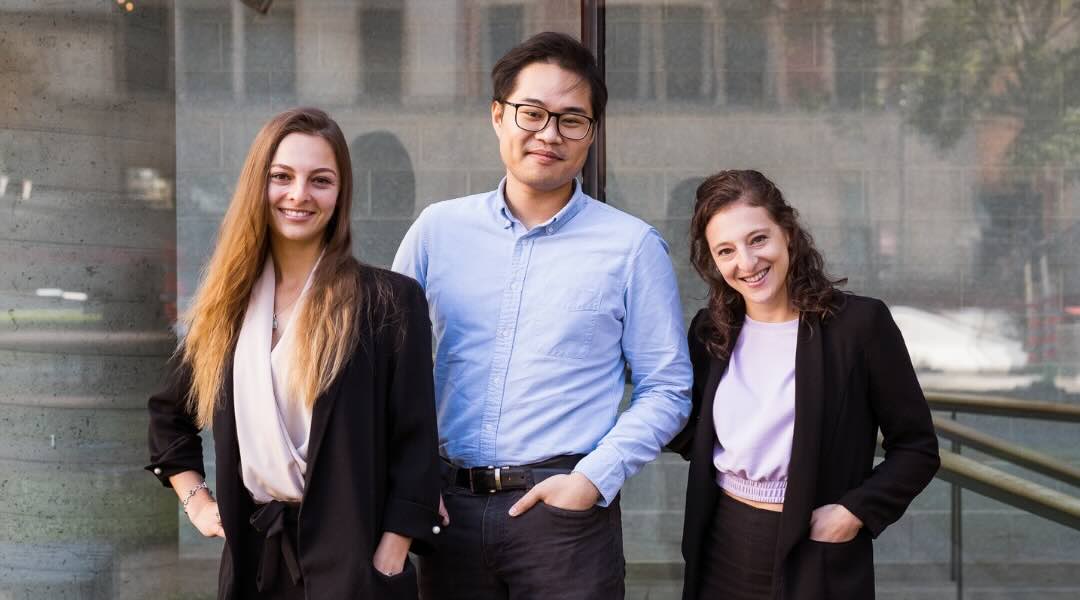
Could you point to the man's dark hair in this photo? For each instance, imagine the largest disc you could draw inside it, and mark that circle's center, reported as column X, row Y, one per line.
column 556, row 48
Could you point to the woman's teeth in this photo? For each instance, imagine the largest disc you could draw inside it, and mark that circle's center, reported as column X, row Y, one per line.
column 756, row 277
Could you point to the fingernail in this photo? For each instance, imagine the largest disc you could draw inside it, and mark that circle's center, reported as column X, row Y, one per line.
column 513, row 512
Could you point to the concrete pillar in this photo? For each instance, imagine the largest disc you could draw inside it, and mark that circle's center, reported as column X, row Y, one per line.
column 87, row 286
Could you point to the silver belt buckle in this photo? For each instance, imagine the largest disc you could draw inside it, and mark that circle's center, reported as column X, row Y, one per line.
column 498, row 479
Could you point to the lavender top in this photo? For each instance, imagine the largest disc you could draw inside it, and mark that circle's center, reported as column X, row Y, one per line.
column 754, row 412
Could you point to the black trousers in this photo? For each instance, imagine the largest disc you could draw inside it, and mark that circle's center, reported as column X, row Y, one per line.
column 737, row 561
column 545, row 553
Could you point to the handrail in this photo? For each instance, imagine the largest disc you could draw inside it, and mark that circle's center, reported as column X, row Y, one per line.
column 1010, row 489
column 1001, row 406
column 965, row 473
column 1014, row 453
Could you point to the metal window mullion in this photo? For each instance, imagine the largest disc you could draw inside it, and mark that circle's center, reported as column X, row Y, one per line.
column 594, row 174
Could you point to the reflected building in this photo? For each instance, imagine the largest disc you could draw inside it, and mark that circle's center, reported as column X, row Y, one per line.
column 122, row 134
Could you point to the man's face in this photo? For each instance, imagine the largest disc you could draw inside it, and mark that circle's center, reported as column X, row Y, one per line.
column 543, row 160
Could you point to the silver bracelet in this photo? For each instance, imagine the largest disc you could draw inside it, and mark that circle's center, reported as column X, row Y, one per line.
column 191, row 494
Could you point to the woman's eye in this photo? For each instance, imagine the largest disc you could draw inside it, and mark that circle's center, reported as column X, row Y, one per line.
column 279, row 176
column 724, row 252
column 323, row 181
column 758, row 239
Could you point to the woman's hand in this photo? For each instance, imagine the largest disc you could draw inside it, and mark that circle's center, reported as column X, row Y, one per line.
column 834, row 524
column 443, row 515
column 391, row 554
column 204, row 515
column 201, row 508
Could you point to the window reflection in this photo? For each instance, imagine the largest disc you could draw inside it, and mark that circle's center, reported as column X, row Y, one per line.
column 931, row 175
column 923, row 143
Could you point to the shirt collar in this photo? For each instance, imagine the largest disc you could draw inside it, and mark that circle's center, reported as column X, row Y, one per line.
column 577, row 202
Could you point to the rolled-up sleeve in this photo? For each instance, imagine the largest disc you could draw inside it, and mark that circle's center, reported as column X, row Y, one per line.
column 654, row 345
column 413, row 459
column 174, row 440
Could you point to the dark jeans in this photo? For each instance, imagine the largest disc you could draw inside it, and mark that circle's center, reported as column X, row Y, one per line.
column 546, row 553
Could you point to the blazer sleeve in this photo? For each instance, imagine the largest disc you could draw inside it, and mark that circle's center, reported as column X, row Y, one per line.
column 413, row 458
column 910, row 443
column 174, row 440
column 700, row 360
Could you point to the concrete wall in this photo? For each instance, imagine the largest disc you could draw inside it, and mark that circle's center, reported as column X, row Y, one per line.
column 87, row 294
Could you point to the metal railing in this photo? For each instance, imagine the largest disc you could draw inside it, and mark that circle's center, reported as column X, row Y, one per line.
column 962, row 472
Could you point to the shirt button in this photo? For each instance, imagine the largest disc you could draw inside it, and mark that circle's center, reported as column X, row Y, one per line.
column 157, row 470
column 436, row 530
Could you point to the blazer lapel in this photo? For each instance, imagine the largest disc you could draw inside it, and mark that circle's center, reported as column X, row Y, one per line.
column 320, row 418
column 806, row 443
column 230, row 486
column 705, row 435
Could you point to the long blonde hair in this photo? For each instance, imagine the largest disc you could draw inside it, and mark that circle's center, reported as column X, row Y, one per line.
column 331, row 314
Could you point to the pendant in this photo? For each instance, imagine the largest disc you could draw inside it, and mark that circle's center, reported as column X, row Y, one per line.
column 273, row 326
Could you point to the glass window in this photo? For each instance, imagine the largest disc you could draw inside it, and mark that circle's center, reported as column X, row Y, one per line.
column 407, row 81
column 745, row 60
column 687, row 60
column 930, row 148
column 382, row 43
column 855, row 48
column 928, row 156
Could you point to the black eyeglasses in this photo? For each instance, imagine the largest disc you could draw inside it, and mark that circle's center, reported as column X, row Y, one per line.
column 571, row 126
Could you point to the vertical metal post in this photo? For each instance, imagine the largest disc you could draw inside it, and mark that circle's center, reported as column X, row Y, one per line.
column 238, row 48
column 956, row 554
column 592, row 35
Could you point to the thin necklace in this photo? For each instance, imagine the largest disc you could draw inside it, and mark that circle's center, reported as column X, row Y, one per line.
column 274, row 325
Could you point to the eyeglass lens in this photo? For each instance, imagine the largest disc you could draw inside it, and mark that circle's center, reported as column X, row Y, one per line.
column 534, row 118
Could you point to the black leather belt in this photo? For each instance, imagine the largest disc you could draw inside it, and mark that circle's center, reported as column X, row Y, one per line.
column 489, row 480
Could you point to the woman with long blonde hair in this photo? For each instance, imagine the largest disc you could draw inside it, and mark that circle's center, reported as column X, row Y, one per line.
column 314, row 372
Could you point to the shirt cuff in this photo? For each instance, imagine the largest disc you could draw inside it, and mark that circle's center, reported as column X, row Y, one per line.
column 604, row 468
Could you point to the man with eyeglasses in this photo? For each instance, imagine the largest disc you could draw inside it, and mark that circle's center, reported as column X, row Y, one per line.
column 540, row 299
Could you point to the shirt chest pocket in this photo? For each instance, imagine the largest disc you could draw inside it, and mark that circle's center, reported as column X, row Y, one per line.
column 565, row 322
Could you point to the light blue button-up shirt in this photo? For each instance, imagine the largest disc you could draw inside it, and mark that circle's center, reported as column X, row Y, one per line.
column 534, row 329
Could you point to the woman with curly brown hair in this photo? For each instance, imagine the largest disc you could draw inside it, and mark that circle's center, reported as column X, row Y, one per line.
column 792, row 380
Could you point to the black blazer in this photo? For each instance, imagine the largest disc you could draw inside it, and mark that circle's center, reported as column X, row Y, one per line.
column 372, row 457
column 853, row 375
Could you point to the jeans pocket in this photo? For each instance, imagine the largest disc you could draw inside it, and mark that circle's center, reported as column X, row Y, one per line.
column 570, row 513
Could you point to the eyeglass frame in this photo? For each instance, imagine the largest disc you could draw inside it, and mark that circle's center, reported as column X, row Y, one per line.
column 557, row 115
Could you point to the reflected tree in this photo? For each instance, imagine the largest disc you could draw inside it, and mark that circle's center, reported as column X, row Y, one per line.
column 1007, row 73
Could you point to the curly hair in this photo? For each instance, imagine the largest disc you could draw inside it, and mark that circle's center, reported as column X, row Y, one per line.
column 810, row 288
